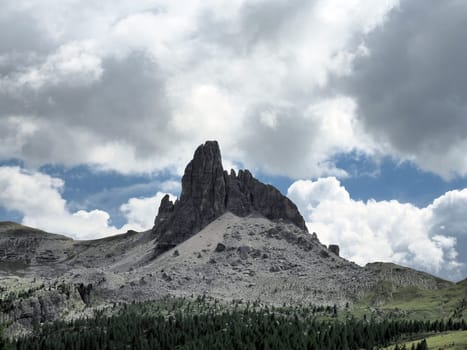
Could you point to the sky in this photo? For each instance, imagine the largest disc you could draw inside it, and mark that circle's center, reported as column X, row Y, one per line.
column 355, row 109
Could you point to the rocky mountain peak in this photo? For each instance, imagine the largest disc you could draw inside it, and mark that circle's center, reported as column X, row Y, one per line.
column 208, row 191
column 203, row 183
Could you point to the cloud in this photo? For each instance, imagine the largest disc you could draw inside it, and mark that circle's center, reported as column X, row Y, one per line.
column 410, row 86
column 140, row 212
column 38, row 198
column 110, row 120
column 285, row 86
column 73, row 63
column 325, row 128
column 431, row 239
column 118, row 82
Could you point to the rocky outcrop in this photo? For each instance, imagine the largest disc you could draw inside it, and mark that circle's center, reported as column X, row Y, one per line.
column 85, row 292
column 334, row 248
column 246, row 195
column 22, row 246
column 35, row 310
column 208, row 192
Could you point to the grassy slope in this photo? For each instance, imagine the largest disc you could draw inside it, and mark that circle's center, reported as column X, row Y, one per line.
column 13, row 229
column 414, row 303
column 446, row 341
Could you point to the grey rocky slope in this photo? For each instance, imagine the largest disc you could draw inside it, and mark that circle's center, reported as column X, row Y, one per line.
column 229, row 236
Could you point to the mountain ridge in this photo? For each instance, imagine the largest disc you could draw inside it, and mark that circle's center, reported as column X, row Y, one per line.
column 208, row 191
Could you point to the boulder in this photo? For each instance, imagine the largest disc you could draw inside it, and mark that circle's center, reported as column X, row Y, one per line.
column 243, row 252
column 274, row 268
column 166, row 277
column 220, row 247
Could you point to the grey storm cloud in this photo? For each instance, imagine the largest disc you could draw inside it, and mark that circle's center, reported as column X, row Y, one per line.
column 259, row 22
column 141, row 78
column 20, row 33
column 147, row 78
column 62, row 100
column 281, row 130
column 21, row 41
column 126, row 104
column 411, row 87
column 281, row 138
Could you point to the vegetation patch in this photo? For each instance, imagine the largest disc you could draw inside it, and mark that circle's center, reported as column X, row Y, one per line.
column 205, row 323
column 446, row 341
column 414, row 303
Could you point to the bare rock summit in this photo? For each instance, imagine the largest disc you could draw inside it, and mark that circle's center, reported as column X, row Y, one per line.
column 208, row 191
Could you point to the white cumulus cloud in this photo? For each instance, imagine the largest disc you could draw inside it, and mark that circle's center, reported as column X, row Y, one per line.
column 38, row 198
column 140, row 212
column 427, row 238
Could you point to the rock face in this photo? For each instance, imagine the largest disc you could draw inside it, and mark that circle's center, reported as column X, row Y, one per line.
column 208, row 192
column 85, row 292
column 334, row 248
column 22, row 246
column 36, row 310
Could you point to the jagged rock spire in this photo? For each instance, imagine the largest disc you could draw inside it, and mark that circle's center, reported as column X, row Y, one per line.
column 208, row 192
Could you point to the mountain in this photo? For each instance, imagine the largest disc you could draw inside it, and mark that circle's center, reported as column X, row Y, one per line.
column 208, row 191
column 228, row 236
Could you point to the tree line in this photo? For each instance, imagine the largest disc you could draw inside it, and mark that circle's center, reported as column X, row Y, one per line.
column 202, row 324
